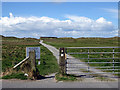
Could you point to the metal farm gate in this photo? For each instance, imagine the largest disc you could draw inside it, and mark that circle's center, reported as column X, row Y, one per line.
column 90, row 60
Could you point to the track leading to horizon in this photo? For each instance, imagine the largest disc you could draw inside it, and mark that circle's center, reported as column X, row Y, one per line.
column 73, row 60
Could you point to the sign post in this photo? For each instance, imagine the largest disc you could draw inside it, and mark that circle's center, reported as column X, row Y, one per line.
column 62, row 61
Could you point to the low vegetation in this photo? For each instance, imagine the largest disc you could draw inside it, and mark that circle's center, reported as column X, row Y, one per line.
column 48, row 62
column 60, row 77
column 14, row 51
column 16, row 76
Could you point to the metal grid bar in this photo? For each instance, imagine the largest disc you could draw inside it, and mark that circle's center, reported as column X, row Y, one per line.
column 101, row 70
column 88, row 59
column 109, row 69
column 92, row 52
column 89, row 47
column 113, row 60
column 97, row 58
column 91, row 62
column 95, row 67
column 97, row 73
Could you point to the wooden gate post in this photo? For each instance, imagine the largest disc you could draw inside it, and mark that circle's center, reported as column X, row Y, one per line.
column 32, row 59
column 62, row 61
column 28, row 66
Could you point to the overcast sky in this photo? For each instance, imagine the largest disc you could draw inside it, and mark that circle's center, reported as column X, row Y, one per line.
column 88, row 19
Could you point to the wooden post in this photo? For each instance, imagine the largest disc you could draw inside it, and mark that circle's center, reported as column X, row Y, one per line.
column 29, row 67
column 62, row 61
column 32, row 60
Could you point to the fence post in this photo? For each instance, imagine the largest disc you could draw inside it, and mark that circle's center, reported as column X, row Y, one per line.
column 62, row 61
column 88, row 59
column 113, row 61
column 32, row 60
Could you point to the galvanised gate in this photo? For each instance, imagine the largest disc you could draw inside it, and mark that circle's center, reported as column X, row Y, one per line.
column 90, row 60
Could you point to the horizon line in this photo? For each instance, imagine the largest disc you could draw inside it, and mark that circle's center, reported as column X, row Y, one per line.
column 58, row 37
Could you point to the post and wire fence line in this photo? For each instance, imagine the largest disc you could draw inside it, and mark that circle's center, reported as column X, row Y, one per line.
column 111, row 65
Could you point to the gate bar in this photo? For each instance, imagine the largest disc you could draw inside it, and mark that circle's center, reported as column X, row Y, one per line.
column 88, row 47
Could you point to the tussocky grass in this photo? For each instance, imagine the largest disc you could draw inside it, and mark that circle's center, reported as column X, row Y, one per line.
column 14, row 51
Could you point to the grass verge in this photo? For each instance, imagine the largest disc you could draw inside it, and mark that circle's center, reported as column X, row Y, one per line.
column 15, row 76
column 48, row 62
column 60, row 77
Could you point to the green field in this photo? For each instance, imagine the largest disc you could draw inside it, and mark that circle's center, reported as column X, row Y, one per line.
column 14, row 51
column 89, row 42
column 82, row 42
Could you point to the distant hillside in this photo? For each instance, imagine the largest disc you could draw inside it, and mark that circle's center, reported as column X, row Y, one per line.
column 11, row 38
column 16, row 38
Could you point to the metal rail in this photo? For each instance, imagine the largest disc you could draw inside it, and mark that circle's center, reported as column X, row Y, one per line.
column 90, row 62
column 95, row 73
column 89, row 47
column 95, row 58
column 92, row 52
column 89, row 69
column 94, row 67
